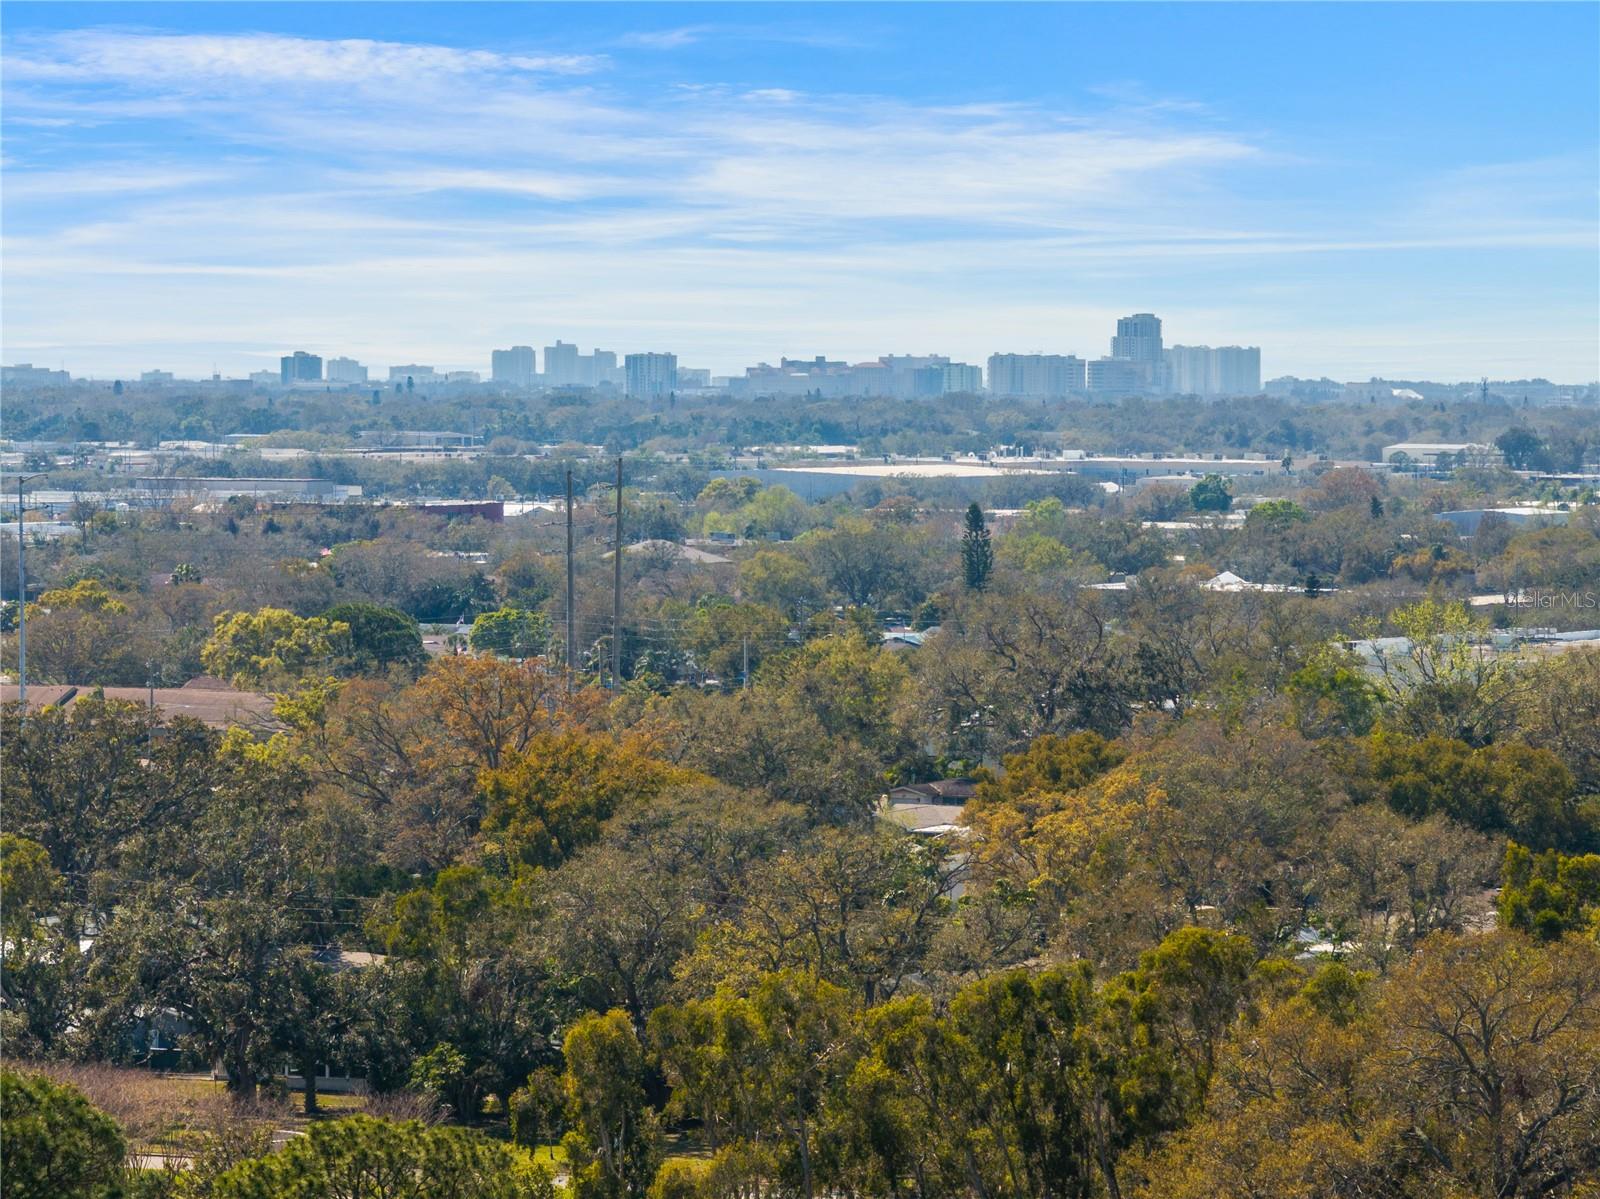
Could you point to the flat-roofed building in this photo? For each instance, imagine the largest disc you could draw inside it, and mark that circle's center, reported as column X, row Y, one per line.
column 651, row 375
column 1036, row 374
column 513, row 367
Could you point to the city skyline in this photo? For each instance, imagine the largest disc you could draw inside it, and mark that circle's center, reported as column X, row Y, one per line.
column 219, row 185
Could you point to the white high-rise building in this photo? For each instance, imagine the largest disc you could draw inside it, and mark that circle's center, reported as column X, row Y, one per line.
column 1208, row 371
column 1036, row 374
column 1138, row 339
column 561, row 364
column 651, row 375
column 1238, row 370
column 346, row 370
column 513, row 367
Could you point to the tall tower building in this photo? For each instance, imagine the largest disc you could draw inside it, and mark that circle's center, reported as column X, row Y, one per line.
column 651, row 375
column 346, row 370
column 560, row 364
column 1238, row 370
column 300, row 367
column 1138, row 339
column 513, row 367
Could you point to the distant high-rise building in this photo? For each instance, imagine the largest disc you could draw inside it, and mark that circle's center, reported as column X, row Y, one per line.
column 600, row 369
column 157, row 377
column 1238, row 370
column 1204, row 371
column 651, row 375
column 560, row 364
column 693, row 377
column 346, row 370
column 513, row 367
column 1138, row 339
column 417, row 373
column 1119, row 376
column 1188, row 370
column 960, row 377
column 300, row 367
column 1035, row 374
column 25, row 374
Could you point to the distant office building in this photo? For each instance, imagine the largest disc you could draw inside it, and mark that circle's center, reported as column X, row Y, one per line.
column 300, row 367
column 1119, row 376
column 513, row 367
column 1036, row 374
column 1238, row 370
column 346, row 370
column 651, row 375
column 1207, row 371
column 157, row 377
column 598, row 369
column 560, row 364
column 25, row 374
column 602, row 368
column 912, row 362
column 1189, row 370
column 693, row 377
column 564, row 366
column 903, row 376
column 1138, row 339
column 266, row 378
column 461, row 377
column 960, row 377
column 417, row 373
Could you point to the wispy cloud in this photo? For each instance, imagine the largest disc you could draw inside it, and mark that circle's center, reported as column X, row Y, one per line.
column 144, row 59
column 664, row 39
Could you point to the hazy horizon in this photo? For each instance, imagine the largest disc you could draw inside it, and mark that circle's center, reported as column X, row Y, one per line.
column 1396, row 191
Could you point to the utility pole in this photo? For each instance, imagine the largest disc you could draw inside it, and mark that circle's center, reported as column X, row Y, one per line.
column 616, row 591
column 747, row 663
column 571, row 622
column 22, row 603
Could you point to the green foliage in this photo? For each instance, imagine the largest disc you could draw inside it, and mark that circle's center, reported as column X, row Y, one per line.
column 679, row 1179
column 1211, row 494
column 1550, row 894
column 359, row 1157
column 87, row 595
column 1332, row 696
column 511, row 633
column 615, row 1145
column 552, row 798
column 537, row 1109
column 1050, row 764
column 977, row 554
column 1524, row 449
column 1507, row 787
column 1276, row 515
column 29, row 885
column 271, row 646
column 379, row 637
column 55, row 1144
column 440, row 1072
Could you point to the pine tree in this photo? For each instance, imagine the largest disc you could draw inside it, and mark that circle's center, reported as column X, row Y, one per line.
column 977, row 555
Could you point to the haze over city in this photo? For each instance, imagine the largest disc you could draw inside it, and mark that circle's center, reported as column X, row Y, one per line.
column 1371, row 192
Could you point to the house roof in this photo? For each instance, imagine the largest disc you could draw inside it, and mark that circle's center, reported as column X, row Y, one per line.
column 219, row 706
column 940, row 791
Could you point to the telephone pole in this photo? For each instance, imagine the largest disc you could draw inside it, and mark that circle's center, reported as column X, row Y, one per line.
column 616, row 591
column 571, row 622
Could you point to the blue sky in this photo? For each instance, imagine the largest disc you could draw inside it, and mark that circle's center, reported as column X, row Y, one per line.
column 1405, row 190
